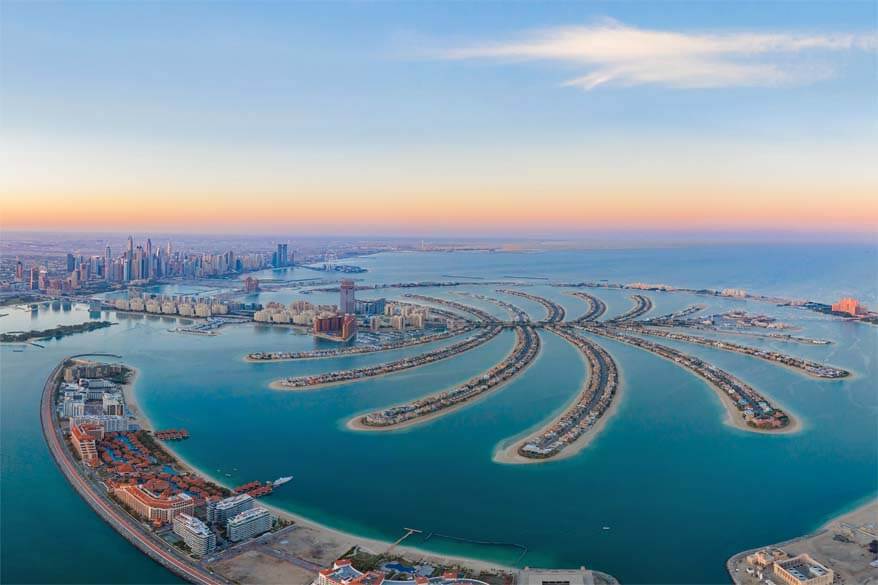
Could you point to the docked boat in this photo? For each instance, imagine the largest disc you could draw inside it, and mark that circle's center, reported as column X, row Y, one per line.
column 281, row 480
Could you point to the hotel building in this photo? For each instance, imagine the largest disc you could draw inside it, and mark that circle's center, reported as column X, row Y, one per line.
column 850, row 306
column 154, row 507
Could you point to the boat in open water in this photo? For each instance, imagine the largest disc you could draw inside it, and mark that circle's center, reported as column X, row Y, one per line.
column 281, row 480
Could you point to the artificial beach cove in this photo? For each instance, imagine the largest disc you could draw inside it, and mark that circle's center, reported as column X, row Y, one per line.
column 288, row 423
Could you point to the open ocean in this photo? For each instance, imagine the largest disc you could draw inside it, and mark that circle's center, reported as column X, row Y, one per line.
column 680, row 490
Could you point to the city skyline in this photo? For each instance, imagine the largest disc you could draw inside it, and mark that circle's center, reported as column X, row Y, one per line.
column 411, row 120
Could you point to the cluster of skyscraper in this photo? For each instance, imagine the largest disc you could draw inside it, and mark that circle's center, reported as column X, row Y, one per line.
column 281, row 258
column 145, row 262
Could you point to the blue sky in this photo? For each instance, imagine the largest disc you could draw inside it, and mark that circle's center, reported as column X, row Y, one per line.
column 192, row 95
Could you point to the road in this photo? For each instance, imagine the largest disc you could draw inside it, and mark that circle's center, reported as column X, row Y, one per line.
column 126, row 525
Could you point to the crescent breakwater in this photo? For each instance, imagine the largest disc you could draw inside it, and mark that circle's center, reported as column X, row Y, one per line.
column 554, row 312
column 570, row 431
column 747, row 408
column 596, row 307
column 527, row 347
column 353, row 375
column 809, row 367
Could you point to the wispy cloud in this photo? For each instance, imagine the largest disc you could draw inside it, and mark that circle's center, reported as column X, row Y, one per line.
column 614, row 53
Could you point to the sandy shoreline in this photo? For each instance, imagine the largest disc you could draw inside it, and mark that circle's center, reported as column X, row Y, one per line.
column 508, row 455
column 354, row 423
column 845, row 556
column 372, row 544
column 130, row 396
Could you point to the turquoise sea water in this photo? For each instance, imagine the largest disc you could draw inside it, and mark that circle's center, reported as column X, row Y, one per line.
column 680, row 490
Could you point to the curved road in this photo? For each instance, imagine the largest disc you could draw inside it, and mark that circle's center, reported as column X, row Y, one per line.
column 126, row 525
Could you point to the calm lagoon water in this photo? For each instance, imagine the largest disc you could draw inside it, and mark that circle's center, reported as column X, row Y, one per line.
column 680, row 490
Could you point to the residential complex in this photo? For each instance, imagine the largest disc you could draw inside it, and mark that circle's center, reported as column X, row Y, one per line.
column 249, row 523
column 221, row 511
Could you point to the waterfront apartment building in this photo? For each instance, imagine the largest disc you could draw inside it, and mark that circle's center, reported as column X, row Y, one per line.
column 802, row 570
column 249, row 523
column 222, row 510
column 112, row 404
column 195, row 533
column 91, row 370
column 154, row 507
column 73, row 403
column 369, row 308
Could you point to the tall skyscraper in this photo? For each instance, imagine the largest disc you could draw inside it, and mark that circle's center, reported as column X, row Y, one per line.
column 108, row 263
column 71, row 263
column 147, row 273
column 282, row 257
column 347, row 303
column 129, row 259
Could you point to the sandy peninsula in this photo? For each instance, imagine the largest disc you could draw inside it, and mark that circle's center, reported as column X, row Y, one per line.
column 507, row 453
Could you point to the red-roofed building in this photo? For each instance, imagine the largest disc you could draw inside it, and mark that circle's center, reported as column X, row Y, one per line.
column 84, row 438
column 157, row 508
